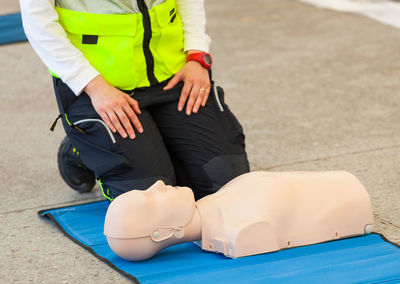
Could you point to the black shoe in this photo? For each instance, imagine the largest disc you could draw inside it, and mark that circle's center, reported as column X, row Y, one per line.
column 71, row 168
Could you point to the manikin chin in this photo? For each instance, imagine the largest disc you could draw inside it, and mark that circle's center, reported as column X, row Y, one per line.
column 254, row 213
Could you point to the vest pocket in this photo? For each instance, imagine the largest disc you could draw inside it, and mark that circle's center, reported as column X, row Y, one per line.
column 168, row 40
column 111, row 43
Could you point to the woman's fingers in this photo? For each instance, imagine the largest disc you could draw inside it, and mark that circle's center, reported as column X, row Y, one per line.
column 133, row 103
column 116, row 123
column 133, row 118
column 107, row 121
column 116, row 108
column 205, row 98
column 194, row 94
column 184, row 95
column 175, row 80
column 201, row 98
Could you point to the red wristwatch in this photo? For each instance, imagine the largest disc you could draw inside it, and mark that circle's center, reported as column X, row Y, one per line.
column 203, row 58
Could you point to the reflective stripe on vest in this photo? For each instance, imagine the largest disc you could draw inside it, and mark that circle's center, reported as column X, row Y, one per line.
column 100, row 7
column 125, row 50
column 105, row 6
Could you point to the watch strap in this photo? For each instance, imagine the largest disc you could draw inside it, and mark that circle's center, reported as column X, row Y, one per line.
column 203, row 58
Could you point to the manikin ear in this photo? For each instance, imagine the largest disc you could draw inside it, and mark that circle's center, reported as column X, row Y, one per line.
column 159, row 235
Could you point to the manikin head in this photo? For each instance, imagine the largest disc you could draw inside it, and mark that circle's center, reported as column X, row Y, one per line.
column 139, row 223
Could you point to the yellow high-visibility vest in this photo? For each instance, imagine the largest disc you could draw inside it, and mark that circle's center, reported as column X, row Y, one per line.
column 129, row 50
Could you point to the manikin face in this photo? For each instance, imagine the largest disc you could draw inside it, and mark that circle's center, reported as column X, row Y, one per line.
column 164, row 195
column 151, row 212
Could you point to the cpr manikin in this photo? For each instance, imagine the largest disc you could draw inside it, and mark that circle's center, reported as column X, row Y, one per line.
column 254, row 213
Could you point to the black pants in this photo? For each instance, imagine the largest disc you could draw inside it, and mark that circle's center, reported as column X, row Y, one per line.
column 203, row 151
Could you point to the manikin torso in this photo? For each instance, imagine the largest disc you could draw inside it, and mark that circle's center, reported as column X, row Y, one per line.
column 255, row 213
column 260, row 212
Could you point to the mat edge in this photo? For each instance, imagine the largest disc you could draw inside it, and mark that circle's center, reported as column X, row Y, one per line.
column 40, row 212
column 105, row 260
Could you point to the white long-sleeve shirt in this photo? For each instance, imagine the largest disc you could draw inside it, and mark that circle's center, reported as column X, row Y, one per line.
column 50, row 41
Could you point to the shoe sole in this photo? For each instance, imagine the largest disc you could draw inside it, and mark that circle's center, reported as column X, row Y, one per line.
column 83, row 187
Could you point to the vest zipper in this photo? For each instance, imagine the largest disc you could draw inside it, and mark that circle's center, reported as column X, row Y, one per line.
column 146, row 42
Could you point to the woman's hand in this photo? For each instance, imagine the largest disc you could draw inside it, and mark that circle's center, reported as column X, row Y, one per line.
column 114, row 107
column 196, row 86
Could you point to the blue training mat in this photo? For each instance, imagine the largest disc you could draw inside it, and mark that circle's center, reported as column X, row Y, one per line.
column 11, row 29
column 365, row 259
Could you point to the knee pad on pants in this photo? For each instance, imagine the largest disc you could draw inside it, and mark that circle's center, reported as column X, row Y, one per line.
column 222, row 169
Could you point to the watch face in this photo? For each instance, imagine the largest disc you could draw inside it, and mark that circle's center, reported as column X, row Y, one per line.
column 207, row 59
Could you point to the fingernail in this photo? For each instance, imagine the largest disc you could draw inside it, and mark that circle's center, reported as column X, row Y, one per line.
column 179, row 108
column 132, row 136
column 124, row 135
column 141, row 130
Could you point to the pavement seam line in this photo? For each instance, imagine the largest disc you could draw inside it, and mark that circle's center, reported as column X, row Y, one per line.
column 334, row 156
column 385, row 222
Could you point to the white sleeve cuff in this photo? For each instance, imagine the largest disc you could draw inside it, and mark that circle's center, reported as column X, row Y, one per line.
column 197, row 42
column 79, row 81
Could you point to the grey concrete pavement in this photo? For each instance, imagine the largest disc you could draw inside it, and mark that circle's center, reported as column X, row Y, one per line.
column 9, row 6
column 314, row 90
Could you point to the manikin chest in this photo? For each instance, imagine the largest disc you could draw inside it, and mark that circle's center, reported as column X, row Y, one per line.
column 261, row 212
